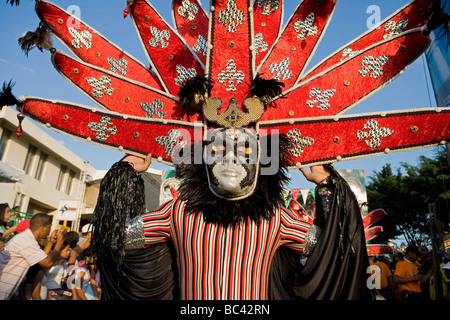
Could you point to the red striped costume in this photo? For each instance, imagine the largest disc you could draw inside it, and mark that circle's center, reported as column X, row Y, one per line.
column 223, row 263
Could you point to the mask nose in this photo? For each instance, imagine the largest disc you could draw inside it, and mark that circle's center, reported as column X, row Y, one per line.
column 230, row 157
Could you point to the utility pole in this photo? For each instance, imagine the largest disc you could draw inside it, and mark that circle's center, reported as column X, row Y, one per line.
column 436, row 228
column 80, row 194
column 448, row 153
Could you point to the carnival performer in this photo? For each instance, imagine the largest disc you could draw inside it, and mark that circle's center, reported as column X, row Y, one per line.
column 224, row 231
column 228, row 103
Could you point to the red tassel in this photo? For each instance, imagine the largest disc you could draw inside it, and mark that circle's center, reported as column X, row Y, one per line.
column 19, row 131
column 126, row 12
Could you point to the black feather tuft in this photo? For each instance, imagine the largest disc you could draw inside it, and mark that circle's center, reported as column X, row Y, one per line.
column 121, row 197
column 438, row 19
column 262, row 204
column 6, row 96
column 41, row 38
column 193, row 91
column 13, row 2
column 266, row 89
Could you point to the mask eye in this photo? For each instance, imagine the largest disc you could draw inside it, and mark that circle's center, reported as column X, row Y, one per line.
column 245, row 150
column 217, row 148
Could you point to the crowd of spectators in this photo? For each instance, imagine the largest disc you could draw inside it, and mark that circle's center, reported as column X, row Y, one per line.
column 39, row 264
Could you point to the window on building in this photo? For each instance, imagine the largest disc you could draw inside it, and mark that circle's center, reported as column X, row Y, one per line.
column 3, row 141
column 40, row 167
column 70, row 182
column 36, row 207
column 62, row 174
column 29, row 159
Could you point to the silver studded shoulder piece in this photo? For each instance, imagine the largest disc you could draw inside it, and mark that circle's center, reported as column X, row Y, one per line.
column 311, row 239
column 325, row 192
column 134, row 234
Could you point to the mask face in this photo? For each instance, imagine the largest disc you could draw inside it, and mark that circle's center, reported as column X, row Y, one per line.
column 232, row 162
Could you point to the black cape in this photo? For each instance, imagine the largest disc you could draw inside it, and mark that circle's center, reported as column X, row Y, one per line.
column 147, row 274
column 336, row 269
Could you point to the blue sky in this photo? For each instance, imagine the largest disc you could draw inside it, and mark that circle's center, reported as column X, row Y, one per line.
column 36, row 76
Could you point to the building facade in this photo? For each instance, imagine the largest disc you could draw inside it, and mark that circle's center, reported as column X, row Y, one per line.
column 39, row 174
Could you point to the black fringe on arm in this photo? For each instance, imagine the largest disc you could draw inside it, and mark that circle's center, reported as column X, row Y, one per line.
column 121, row 197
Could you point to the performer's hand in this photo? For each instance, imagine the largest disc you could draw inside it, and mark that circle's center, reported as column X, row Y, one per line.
column 139, row 164
column 317, row 174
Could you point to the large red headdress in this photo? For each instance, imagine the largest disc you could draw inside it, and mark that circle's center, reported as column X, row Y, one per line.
column 238, row 46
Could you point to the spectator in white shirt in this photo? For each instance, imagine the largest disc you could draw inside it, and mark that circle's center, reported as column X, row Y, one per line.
column 23, row 251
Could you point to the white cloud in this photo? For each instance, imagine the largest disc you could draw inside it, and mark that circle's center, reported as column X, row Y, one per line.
column 28, row 69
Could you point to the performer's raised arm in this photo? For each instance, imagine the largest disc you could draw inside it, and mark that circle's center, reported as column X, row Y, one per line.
column 118, row 240
column 337, row 236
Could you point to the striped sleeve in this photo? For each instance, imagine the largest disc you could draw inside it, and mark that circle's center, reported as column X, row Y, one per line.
column 293, row 230
column 157, row 224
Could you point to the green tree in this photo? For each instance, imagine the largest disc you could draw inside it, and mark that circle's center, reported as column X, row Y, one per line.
column 408, row 196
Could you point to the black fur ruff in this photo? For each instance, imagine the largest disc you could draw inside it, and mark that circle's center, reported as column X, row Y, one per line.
column 6, row 96
column 41, row 39
column 13, row 2
column 266, row 89
column 193, row 91
column 262, row 204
